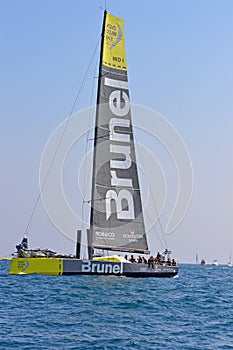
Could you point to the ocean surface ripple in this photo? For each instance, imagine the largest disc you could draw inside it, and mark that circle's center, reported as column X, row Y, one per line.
column 193, row 311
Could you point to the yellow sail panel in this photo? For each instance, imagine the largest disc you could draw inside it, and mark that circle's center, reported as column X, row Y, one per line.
column 114, row 54
column 47, row 266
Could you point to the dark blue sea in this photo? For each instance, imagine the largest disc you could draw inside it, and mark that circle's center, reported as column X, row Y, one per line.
column 193, row 311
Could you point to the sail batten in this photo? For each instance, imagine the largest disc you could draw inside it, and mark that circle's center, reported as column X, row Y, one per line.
column 117, row 221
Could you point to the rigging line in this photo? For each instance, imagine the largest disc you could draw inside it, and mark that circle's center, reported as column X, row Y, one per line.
column 86, row 148
column 155, row 207
column 159, row 221
column 156, row 232
column 60, row 140
column 164, row 242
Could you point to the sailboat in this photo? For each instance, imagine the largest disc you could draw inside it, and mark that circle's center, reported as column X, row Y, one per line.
column 116, row 217
column 229, row 261
column 202, row 262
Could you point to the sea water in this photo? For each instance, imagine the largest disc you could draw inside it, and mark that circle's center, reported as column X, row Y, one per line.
column 193, row 311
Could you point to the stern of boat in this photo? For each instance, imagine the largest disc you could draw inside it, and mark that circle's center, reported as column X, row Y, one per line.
column 42, row 266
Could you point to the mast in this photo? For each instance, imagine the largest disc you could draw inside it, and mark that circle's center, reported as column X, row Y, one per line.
column 95, row 131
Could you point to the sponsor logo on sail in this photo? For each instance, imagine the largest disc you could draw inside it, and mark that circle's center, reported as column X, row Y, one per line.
column 119, row 105
column 131, row 237
column 113, row 34
column 108, row 235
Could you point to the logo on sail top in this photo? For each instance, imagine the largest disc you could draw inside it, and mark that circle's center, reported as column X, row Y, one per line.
column 113, row 34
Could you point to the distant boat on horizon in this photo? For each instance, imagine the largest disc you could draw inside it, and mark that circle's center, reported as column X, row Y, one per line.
column 215, row 262
column 229, row 261
column 202, row 262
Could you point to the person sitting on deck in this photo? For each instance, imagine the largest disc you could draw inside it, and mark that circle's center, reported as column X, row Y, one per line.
column 173, row 262
column 151, row 262
column 163, row 260
column 21, row 247
column 158, row 257
column 139, row 260
column 132, row 260
column 144, row 260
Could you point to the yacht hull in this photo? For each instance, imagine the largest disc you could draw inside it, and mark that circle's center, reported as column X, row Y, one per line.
column 63, row 266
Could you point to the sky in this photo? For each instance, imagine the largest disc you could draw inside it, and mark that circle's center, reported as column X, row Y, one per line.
column 179, row 57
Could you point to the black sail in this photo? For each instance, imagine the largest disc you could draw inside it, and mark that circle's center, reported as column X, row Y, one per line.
column 116, row 214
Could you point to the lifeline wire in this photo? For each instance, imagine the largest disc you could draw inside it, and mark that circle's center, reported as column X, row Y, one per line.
column 60, row 141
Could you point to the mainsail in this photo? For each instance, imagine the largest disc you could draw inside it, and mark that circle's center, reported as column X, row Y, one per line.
column 116, row 214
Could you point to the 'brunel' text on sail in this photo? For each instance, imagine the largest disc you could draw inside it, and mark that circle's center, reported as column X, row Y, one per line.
column 119, row 105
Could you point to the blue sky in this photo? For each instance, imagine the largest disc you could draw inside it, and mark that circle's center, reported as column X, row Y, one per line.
column 179, row 55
